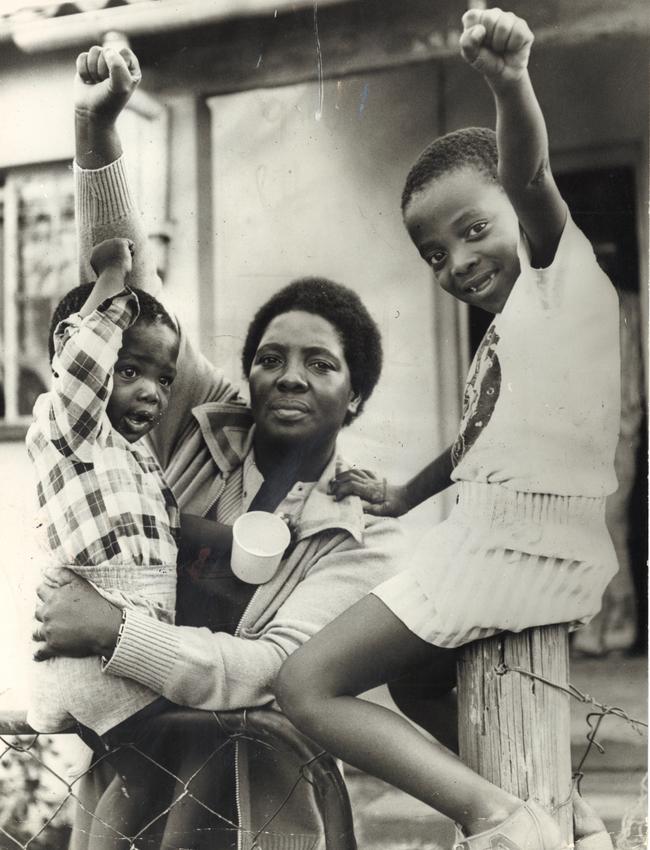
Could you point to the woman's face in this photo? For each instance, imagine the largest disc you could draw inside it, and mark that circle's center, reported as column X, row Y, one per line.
column 299, row 381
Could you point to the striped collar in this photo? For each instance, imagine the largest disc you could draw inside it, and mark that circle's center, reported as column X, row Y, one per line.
column 228, row 428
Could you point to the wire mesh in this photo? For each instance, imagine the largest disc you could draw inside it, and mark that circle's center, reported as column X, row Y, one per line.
column 38, row 794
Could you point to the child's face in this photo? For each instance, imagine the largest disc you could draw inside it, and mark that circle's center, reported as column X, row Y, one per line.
column 466, row 229
column 144, row 371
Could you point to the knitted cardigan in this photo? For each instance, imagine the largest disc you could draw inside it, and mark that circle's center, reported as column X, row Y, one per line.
column 339, row 556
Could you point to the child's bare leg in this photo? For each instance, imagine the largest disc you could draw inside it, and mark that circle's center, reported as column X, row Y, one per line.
column 365, row 647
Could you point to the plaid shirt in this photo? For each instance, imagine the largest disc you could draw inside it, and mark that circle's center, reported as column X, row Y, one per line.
column 104, row 502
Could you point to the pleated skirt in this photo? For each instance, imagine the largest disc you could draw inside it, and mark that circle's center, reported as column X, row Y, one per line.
column 504, row 560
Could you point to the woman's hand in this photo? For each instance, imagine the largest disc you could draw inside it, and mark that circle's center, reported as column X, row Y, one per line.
column 105, row 80
column 73, row 619
column 379, row 497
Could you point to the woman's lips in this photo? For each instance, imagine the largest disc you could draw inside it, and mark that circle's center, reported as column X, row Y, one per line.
column 289, row 409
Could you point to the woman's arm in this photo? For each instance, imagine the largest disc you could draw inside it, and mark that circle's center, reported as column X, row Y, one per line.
column 104, row 83
column 105, row 208
column 216, row 671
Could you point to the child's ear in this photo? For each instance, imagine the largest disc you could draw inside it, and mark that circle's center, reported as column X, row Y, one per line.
column 354, row 403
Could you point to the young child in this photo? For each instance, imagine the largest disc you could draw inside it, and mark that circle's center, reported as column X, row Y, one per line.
column 526, row 543
column 106, row 510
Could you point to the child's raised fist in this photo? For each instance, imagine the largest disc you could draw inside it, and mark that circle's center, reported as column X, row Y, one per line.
column 496, row 43
column 113, row 253
column 105, row 80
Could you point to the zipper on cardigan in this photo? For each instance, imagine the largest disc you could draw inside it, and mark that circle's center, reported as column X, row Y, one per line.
column 240, row 843
column 208, row 510
column 237, row 778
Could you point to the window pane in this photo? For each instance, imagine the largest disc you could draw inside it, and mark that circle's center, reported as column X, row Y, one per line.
column 46, row 270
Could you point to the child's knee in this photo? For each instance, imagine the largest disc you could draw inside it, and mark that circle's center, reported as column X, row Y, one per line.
column 295, row 689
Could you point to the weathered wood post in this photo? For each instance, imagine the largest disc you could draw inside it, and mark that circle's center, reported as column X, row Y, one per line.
column 513, row 730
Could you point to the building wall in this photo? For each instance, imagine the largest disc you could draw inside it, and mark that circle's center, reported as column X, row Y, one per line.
column 306, row 180
column 36, row 107
column 300, row 192
column 272, row 184
column 260, row 191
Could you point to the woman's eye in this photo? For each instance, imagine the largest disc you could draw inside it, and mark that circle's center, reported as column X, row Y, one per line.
column 477, row 228
column 322, row 366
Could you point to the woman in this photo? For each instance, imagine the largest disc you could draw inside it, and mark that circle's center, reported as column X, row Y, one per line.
column 312, row 356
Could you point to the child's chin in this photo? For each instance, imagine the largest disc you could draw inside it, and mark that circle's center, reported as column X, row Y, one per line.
column 132, row 436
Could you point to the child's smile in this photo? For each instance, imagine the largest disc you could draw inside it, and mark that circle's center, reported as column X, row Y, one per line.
column 466, row 229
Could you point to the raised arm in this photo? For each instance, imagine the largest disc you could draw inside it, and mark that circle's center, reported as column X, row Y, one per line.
column 498, row 44
column 104, row 82
column 86, row 348
column 112, row 262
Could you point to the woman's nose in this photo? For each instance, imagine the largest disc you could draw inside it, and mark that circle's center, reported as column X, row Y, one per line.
column 293, row 378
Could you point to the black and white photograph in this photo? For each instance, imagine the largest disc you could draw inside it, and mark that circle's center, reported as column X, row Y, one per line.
column 324, row 424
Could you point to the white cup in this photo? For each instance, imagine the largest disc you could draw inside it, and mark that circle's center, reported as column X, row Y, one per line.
column 258, row 543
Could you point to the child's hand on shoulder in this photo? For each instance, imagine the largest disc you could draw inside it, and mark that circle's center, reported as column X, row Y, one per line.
column 113, row 253
column 496, row 43
column 105, row 80
column 379, row 497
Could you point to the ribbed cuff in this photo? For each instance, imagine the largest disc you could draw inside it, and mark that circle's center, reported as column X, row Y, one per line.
column 276, row 841
column 103, row 194
column 146, row 651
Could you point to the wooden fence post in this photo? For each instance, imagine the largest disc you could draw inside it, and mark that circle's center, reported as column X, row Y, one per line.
column 514, row 730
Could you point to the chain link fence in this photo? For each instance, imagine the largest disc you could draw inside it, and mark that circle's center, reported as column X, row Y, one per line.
column 38, row 794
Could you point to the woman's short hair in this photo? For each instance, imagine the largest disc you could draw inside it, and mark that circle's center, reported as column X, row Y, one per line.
column 151, row 310
column 473, row 147
column 341, row 307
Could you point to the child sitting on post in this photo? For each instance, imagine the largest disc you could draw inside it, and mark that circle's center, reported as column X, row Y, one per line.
column 107, row 512
column 526, row 544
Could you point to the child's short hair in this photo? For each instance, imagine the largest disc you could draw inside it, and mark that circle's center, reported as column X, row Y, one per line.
column 344, row 310
column 474, row 147
column 151, row 310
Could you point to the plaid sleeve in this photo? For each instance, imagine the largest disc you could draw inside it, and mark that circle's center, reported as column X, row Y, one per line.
column 85, row 353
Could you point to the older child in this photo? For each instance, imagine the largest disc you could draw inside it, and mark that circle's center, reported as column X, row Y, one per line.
column 526, row 543
column 106, row 510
